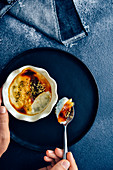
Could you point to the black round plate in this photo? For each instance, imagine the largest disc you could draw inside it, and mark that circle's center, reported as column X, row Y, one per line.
column 74, row 81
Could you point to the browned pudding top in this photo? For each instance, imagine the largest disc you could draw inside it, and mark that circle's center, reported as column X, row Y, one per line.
column 65, row 111
column 25, row 88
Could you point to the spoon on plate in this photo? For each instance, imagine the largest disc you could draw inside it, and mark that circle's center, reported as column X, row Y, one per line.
column 65, row 114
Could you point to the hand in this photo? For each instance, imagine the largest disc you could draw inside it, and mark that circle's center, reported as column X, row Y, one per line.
column 4, row 128
column 56, row 163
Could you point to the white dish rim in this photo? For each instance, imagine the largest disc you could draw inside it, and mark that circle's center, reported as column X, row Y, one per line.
column 36, row 117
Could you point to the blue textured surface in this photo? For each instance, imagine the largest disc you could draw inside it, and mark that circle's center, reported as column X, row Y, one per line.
column 95, row 150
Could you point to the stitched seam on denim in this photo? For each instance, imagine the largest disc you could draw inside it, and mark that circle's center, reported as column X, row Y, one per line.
column 75, row 38
column 8, row 8
column 57, row 28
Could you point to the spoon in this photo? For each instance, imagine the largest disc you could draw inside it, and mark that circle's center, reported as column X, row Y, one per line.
column 65, row 113
column 69, row 119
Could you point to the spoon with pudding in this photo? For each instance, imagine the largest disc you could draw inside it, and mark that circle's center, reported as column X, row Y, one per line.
column 65, row 113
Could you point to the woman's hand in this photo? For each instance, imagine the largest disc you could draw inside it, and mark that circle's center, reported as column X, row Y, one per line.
column 4, row 128
column 56, row 163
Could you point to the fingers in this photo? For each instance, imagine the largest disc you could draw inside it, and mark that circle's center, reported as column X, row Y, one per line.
column 55, row 156
column 71, row 159
column 47, row 159
column 3, row 115
column 51, row 154
column 62, row 165
column 4, row 130
column 59, row 152
column 0, row 96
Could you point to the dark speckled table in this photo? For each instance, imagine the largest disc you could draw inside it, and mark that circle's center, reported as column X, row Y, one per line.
column 95, row 149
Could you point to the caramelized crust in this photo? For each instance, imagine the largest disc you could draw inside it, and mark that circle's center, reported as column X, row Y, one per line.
column 25, row 88
column 65, row 111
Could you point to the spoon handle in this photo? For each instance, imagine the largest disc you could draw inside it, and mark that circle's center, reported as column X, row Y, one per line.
column 65, row 142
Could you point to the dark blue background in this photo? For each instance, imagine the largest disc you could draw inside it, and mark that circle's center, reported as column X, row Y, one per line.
column 95, row 150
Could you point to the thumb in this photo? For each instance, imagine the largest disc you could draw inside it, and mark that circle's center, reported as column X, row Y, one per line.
column 4, row 130
column 62, row 165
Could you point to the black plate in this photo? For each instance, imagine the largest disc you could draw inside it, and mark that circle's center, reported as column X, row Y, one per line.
column 74, row 81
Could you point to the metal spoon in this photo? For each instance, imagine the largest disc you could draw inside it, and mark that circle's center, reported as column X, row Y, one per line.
column 69, row 119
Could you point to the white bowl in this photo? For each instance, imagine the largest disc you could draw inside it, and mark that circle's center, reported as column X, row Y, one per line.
column 38, row 116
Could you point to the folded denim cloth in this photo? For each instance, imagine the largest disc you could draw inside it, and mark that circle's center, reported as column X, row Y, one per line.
column 5, row 5
column 58, row 19
column 8, row 1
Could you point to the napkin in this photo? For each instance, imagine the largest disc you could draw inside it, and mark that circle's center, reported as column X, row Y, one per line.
column 57, row 19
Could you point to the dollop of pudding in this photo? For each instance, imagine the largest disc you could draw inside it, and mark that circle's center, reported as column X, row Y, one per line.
column 63, row 109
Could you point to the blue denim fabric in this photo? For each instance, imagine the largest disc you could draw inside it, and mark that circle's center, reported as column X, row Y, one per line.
column 54, row 18
column 95, row 150
column 5, row 6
